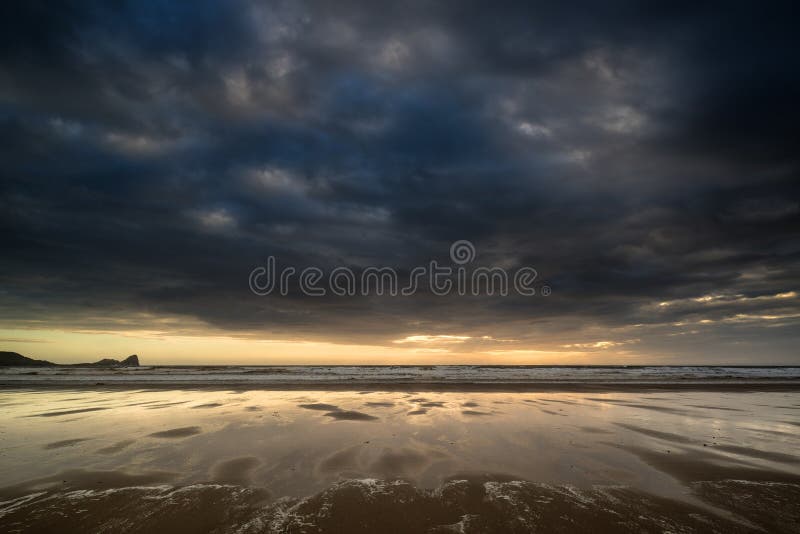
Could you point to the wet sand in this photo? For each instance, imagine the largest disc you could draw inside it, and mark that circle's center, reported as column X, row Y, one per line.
column 401, row 460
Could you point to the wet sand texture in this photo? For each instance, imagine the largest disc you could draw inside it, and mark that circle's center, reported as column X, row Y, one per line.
column 416, row 461
column 64, row 443
column 182, row 432
column 368, row 506
column 235, row 471
column 319, row 406
column 350, row 415
column 68, row 412
column 117, row 447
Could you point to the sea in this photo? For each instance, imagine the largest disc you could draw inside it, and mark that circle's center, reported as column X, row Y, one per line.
column 386, row 375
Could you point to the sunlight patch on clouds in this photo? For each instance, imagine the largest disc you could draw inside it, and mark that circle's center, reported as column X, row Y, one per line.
column 216, row 220
column 394, row 54
column 137, row 145
column 737, row 298
column 536, row 131
column 424, row 339
column 741, row 318
column 237, row 87
column 622, row 120
column 273, row 180
column 748, row 317
column 432, row 339
column 599, row 344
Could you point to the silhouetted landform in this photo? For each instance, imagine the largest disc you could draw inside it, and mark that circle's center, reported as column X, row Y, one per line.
column 14, row 359
column 130, row 361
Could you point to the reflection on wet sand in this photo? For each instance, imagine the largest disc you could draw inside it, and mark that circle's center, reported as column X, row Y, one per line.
column 318, row 406
column 207, row 405
column 350, row 415
column 474, row 413
column 235, row 471
column 64, row 443
column 337, row 413
column 667, row 436
column 341, row 461
column 177, row 432
column 116, row 447
column 66, row 412
column 399, row 463
column 416, row 461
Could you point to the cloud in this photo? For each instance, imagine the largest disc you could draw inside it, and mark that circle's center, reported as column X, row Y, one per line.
column 154, row 153
column 432, row 339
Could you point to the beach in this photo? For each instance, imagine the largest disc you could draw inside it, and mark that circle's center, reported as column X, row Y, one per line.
column 402, row 455
column 416, row 267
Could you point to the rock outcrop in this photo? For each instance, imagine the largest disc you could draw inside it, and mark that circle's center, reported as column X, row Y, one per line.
column 14, row 359
column 130, row 361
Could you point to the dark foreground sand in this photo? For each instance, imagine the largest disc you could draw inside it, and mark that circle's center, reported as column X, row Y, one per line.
column 216, row 460
column 370, row 505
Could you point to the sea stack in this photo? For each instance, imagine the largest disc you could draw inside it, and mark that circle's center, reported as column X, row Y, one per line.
column 130, row 361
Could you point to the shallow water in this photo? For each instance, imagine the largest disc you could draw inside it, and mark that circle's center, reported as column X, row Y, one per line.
column 270, row 448
column 256, row 376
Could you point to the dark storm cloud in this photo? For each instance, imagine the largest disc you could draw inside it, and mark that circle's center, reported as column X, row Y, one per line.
column 154, row 153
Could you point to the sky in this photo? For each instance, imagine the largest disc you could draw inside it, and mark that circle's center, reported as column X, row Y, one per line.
column 642, row 157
